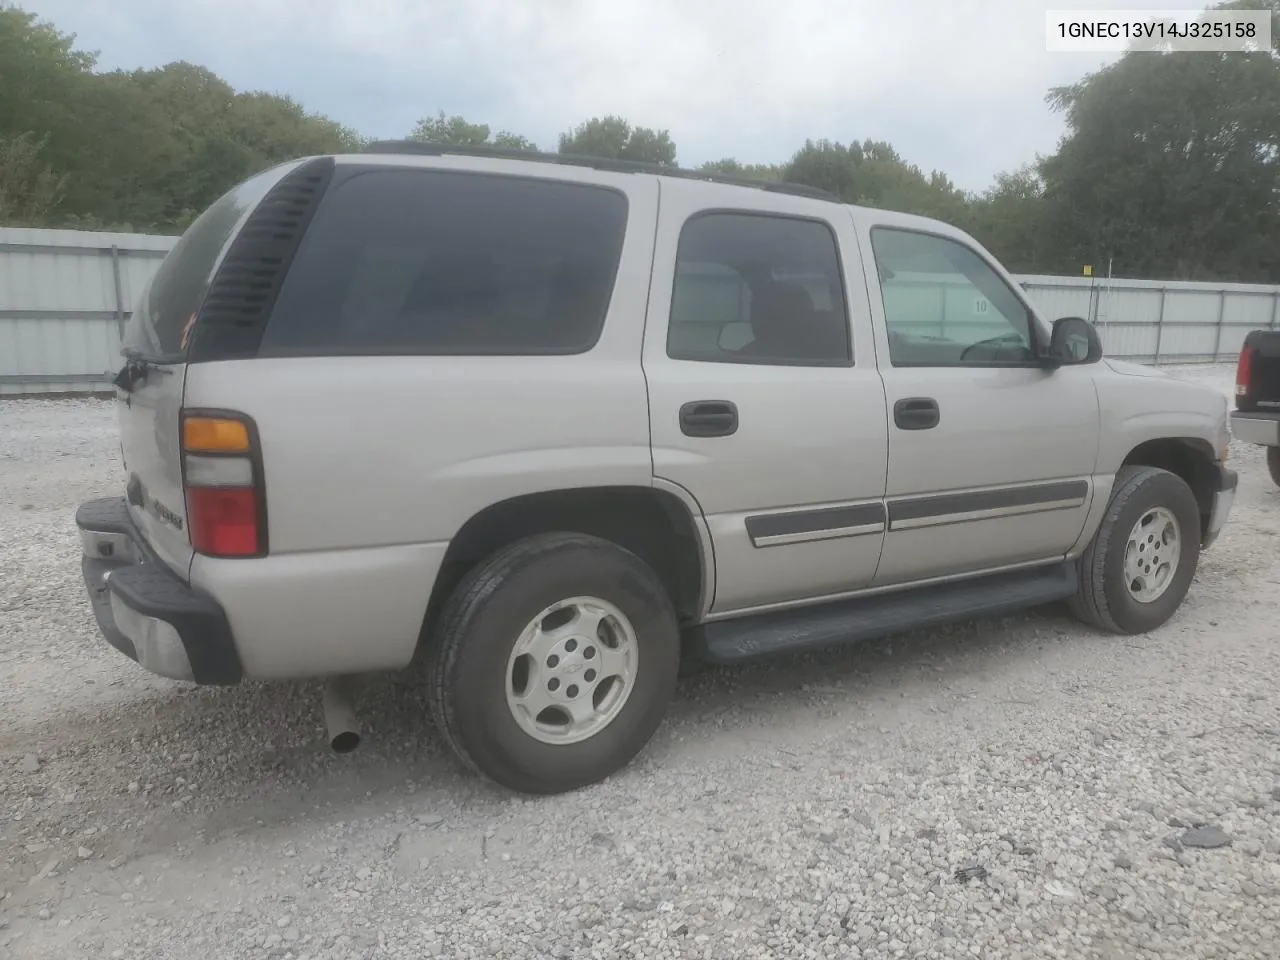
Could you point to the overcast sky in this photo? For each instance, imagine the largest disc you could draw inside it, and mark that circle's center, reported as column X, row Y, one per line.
column 956, row 86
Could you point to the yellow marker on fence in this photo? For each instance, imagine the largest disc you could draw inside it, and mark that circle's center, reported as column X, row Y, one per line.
column 1088, row 270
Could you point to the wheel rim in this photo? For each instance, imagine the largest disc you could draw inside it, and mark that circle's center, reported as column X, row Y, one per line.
column 572, row 670
column 1152, row 554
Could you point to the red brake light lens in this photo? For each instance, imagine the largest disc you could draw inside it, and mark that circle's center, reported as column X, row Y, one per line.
column 1244, row 371
column 224, row 521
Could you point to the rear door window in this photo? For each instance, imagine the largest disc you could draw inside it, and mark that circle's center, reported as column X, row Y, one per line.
column 436, row 262
column 758, row 288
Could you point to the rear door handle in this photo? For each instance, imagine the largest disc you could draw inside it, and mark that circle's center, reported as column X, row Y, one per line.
column 916, row 413
column 709, row 418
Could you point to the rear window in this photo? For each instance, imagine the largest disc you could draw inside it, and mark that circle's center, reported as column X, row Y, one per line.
column 431, row 262
column 157, row 328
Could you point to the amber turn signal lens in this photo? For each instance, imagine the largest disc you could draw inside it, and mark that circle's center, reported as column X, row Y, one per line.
column 214, row 435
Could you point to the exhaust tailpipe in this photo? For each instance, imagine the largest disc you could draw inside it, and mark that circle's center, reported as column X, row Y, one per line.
column 340, row 715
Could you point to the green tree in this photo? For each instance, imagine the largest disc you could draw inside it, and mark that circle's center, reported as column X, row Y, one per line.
column 872, row 174
column 29, row 189
column 43, row 81
column 459, row 132
column 455, row 131
column 40, row 73
column 164, row 151
column 826, row 165
column 752, row 171
column 144, row 149
column 1171, row 165
column 513, row 141
column 168, row 142
column 1008, row 220
column 613, row 138
column 1273, row 6
column 278, row 128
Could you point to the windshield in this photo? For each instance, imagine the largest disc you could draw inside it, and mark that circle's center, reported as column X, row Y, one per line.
column 158, row 329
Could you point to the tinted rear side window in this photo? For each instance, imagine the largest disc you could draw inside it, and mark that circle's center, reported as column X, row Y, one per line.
column 432, row 262
column 758, row 288
column 158, row 327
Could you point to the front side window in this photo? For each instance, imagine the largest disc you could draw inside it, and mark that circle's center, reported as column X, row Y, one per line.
column 945, row 306
column 428, row 262
column 755, row 288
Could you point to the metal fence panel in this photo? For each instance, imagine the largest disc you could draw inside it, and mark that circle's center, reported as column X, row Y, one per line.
column 1199, row 307
column 65, row 294
column 1058, row 300
column 64, row 297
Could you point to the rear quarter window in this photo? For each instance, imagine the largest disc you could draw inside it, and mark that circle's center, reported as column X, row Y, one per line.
column 427, row 262
column 158, row 328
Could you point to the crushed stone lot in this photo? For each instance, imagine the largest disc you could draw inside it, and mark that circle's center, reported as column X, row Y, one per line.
column 1020, row 787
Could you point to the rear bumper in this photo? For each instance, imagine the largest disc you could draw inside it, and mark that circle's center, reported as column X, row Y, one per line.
column 1260, row 428
column 1224, row 497
column 143, row 609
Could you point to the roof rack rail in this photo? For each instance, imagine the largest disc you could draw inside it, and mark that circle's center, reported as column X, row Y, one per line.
column 598, row 163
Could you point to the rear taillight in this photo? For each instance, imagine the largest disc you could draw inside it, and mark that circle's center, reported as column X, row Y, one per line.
column 224, row 523
column 1244, row 370
column 222, row 474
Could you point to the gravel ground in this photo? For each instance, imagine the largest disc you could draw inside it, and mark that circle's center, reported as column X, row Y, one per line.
column 1010, row 788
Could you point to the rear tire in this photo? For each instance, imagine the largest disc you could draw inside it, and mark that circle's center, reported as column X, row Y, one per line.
column 1139, row 566
column 1273, row 464
column 555, row 662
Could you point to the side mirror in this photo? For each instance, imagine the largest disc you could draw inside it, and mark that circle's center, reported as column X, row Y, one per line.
column 1074, row 341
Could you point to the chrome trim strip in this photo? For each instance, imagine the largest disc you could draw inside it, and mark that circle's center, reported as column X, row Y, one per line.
column 815, row 520
column 983, row 499
column 994, row 513
column 807, row 536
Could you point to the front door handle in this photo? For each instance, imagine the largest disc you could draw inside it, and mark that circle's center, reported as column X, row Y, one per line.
column 709, row 418
column 916, row 413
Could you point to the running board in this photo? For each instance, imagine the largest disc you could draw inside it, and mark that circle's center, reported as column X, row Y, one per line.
column 867, row 618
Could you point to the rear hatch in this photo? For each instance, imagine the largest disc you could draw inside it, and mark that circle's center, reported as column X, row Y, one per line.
column 150, row 384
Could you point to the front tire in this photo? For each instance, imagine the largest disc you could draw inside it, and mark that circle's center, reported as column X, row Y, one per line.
column 1136, row 572
column 555, row 662
column 1273, row 464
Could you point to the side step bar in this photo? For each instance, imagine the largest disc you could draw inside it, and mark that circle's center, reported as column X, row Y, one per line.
column 867, row 618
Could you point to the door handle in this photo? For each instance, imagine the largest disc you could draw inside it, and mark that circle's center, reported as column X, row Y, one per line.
column 916, row 413
column 709, row 418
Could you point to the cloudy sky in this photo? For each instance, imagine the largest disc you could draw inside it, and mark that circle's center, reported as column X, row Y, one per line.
column 954, row 85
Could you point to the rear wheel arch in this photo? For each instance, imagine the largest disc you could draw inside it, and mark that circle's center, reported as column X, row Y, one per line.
column 655, row 524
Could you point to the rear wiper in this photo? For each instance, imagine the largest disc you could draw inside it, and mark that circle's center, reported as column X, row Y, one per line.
column 135, row 370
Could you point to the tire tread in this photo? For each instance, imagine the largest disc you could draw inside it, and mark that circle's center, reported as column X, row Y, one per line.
column 477, row 588
column 1090, row 600
column 1090, row 603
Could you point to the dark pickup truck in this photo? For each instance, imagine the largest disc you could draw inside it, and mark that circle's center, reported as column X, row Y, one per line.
column 1257, row 415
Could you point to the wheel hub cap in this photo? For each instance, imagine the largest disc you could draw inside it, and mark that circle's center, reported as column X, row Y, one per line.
column 572, row 670
column 1151, row 555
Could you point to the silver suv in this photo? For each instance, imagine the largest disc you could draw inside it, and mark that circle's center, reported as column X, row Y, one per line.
column 554, row 423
